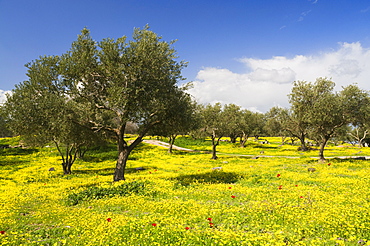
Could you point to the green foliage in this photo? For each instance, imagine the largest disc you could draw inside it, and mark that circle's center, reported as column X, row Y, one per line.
column 94, row 192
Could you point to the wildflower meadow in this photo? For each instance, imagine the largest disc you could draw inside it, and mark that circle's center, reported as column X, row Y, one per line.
column 263, row 194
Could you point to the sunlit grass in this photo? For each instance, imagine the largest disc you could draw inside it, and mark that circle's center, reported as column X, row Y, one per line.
column 185, row 200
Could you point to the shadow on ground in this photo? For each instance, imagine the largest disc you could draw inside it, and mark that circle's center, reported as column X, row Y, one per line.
column 214, row 177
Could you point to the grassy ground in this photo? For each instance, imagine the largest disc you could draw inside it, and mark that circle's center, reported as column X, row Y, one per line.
column 180, row 199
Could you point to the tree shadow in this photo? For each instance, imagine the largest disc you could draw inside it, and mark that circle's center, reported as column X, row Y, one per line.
column 110, row 171
column 17, row 151
column 340, row 160
column 15, row 162
column 101, row 172
column 214, row 177
column 349, row 159
column 264, row 147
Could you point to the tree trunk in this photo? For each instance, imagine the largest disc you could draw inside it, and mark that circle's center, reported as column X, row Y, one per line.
column 243, row 140
column 171, row 142
column 214, row 156
column 119, row 173
column 69, row 157
column 233, row 138
column 123, row 153
column 214, row 145
column 302, row 138
column 322, row 148
column 67, row 168
column 283, row 140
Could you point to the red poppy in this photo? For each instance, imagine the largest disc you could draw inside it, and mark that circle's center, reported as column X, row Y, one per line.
column 296, row 185
column 211, row 224
column 155, row 170
column 210, row 219
column 329, row 164
column 187, row 228
column 229, row 187
column 2, row 232
column 154, row 224
column 280, row 187
column 278, row 175
column 233, row 196
column 109, row 219
column 301, row 197
column 150, row 172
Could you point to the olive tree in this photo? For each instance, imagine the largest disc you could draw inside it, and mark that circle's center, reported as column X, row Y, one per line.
column 276, row 119
column 184, row 119
column 324, row 111
column 104, row 87
column 214, row 124
column 40, row 111
column 116, row 82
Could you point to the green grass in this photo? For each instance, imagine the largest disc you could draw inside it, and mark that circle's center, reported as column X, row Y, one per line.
column 180, row 199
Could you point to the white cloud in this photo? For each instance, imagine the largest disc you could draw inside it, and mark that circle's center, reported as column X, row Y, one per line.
column 3, row 96
column 269, row 81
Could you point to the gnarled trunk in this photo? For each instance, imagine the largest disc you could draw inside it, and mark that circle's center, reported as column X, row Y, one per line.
column 214, row 145
column 322, row 148
column 302, row 138
column 66, row 168
column 124, row 150
column 243, row 139
column 171, row 142
column 123, row 153
column 119, row 173
column 68, row 157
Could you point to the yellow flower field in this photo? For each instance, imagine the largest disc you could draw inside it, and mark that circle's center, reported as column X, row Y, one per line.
column 180, row 199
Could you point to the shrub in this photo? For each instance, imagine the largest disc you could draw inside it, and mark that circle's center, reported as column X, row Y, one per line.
column 94, row 192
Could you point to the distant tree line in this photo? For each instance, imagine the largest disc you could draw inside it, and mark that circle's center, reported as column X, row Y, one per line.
column 99, row 91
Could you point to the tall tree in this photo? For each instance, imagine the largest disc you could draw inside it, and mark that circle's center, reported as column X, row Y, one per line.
column 233, row 115
column 301, row 100
column 184, row 119
column 214, row 124
column 258, row 124
column 356, row 103
column 4, row 129
column 326, row 114
column 40, row 111
column 246, row 126
column 275, row 122
column 326, row 111
column 116, row 82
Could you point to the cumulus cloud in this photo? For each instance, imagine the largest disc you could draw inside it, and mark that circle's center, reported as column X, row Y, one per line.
column 3, row 96
column 268, row 81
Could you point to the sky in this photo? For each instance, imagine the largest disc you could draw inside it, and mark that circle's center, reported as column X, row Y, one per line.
column 246, row 52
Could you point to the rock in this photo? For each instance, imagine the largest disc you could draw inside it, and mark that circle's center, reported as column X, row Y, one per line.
column 217, row 168
column 311, row 169
column 140, row 168
column 225, row 162
column 52, row 169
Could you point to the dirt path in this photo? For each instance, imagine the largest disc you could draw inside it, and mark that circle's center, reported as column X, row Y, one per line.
column 167, row 145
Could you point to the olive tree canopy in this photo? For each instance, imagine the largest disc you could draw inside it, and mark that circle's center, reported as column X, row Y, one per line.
column 116, row 82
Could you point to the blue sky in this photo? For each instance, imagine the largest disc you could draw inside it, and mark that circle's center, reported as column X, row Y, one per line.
column 246, row 52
